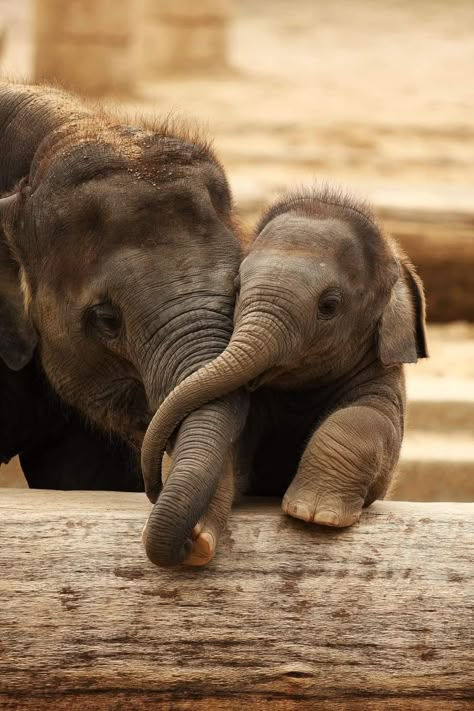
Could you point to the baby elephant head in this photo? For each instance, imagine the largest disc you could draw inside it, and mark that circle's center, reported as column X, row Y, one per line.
column 320, row 290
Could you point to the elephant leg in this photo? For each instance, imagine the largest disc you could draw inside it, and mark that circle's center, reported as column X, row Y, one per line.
column 346, row 465
column 206, row 533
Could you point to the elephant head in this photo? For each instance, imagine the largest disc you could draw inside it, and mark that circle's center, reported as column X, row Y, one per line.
column 126, row 255
column 321, row 290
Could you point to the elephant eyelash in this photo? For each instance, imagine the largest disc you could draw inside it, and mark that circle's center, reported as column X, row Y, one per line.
column 329, row 304
column 103, row 319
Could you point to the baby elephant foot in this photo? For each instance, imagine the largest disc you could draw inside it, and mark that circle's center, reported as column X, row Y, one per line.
column 323, row 508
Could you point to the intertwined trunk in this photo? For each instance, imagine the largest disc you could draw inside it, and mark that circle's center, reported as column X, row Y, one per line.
column 213, row 400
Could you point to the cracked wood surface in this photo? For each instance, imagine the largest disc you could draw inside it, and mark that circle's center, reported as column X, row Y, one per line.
column 289, row 616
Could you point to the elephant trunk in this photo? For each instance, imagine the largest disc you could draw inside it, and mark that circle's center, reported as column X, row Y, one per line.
column 199, row 456
column 259, row 342
column 178, row 341
column 214, row 410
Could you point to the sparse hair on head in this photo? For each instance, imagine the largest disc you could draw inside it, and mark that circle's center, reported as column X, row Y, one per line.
column 320, row 201
column 77, row 121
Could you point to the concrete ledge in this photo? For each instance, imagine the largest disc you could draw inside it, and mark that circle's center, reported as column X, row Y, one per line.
column 288, row 616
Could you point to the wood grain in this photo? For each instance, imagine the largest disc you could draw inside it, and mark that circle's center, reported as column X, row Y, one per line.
column 289, row 616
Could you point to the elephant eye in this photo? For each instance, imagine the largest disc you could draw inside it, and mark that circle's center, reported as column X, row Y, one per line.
column 329, row 304
column 104, row 320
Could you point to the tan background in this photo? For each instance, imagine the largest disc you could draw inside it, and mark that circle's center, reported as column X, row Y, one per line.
column 378, row 96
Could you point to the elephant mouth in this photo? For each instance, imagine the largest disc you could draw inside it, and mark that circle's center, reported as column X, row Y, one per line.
column 266, row 378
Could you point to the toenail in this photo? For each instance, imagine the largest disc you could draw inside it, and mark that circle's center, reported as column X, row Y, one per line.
column 300, row 511
column 209, row 539
column 327, row 518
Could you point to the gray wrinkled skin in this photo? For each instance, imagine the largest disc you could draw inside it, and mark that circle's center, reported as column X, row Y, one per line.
column 329, row 310
column 127, row 255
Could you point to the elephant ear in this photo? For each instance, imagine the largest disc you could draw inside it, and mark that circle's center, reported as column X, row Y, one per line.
column 402, row 327
column 18, row 338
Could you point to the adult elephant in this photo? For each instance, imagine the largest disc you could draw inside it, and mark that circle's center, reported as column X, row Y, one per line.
column 127, row 255
column 57, row 448
column 329, row 310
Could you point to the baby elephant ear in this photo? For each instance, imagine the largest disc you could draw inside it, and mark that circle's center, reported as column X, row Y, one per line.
column 17, row 336
column 402, row 327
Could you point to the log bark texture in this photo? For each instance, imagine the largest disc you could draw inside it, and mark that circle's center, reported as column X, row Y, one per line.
column 289, row 616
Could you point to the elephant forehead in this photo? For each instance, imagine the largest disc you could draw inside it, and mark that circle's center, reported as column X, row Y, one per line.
column 135, row 276
column 293, row 233
column 75, row 235
column 118, row 205
column 328, row 245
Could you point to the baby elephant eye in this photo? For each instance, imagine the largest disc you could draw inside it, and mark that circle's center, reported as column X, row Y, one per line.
column 329, row 304
column 104, row 319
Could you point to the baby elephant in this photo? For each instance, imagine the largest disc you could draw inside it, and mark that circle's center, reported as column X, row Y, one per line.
column 329, row 309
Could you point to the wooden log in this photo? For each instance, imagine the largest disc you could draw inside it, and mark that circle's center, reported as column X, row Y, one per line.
column 289, row 616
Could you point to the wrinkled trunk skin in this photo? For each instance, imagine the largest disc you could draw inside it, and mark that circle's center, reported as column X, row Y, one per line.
column 256, row 346
column 206, row 435
column 204, row 438
column 199, row 455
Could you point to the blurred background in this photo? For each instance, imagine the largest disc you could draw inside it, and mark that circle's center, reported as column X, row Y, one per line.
column 376, row 96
